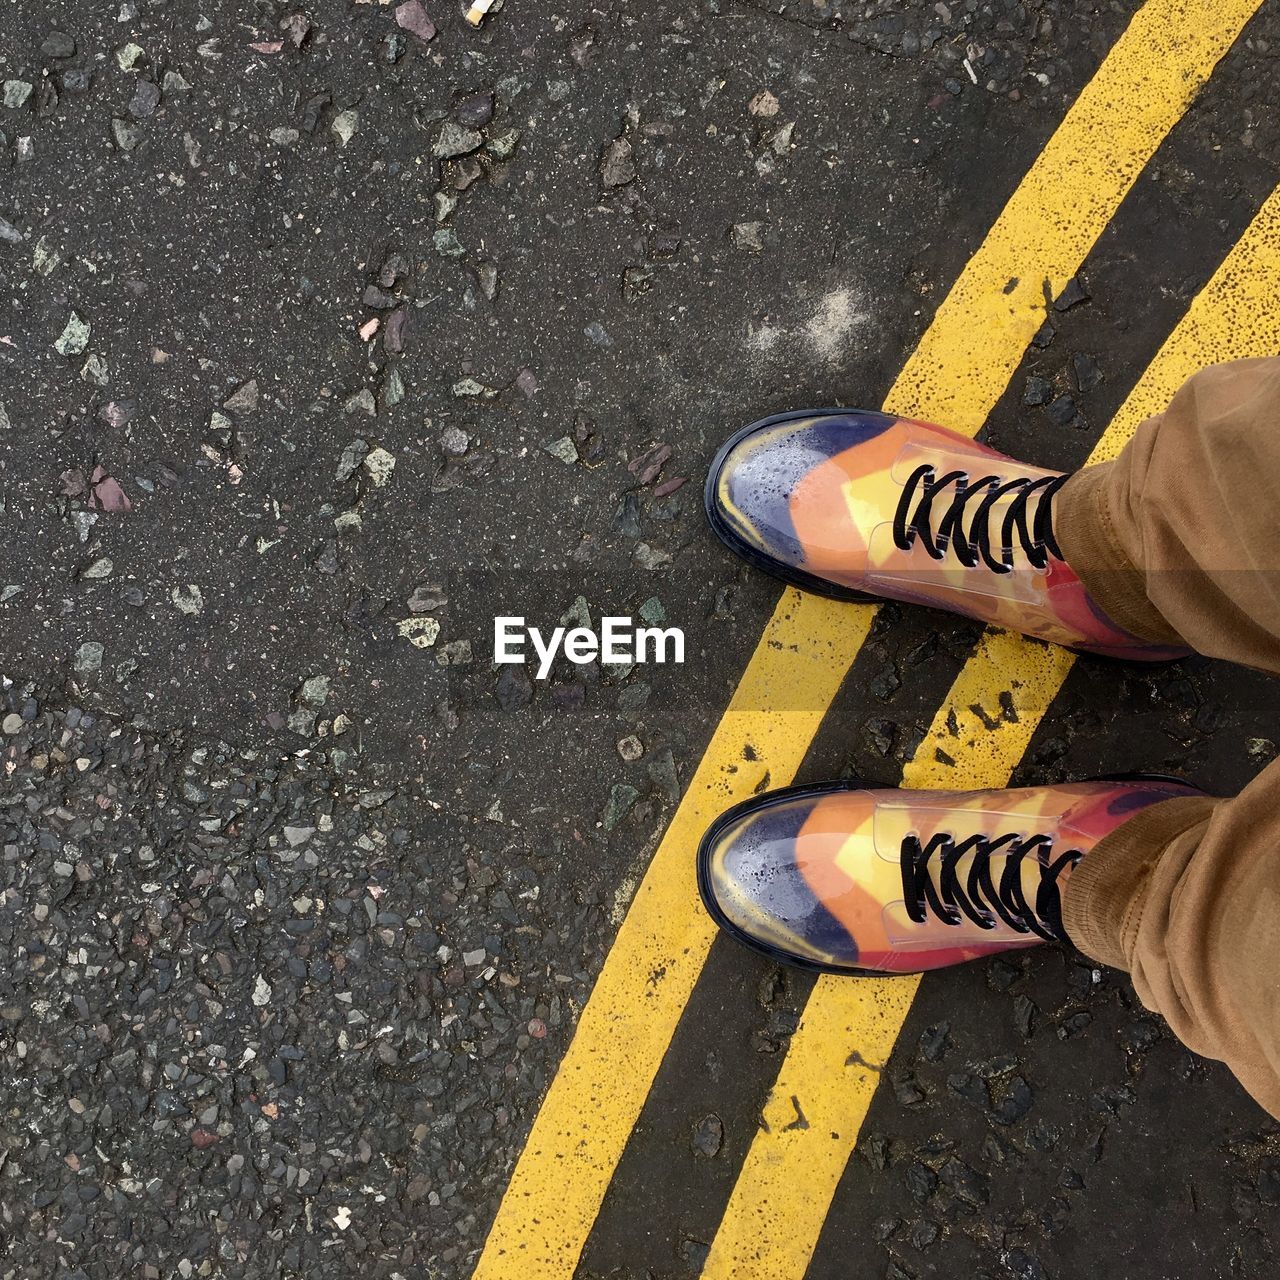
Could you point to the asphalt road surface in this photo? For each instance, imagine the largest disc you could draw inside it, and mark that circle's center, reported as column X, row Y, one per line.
column 330, row 332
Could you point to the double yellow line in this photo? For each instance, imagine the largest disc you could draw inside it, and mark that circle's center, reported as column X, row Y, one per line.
column 785, row 1187
column 958, row 371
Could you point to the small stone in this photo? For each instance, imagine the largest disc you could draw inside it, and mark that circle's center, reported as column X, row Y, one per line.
column 421, row 632
column 514, row 689
column 298, row 836
column 10, row 234
column 1088, row 372
column 933, row 1041
column 446, row 242
column 244, row 400
column 380, row 465
column 95, row 371
column 75, row 337
column 456, row 140
column 764, row 104
column 345, row 124
column 457, row 653
column 127, row 135
column 393, row 389
column 617, row 168
column 129, row 55
column 475, row 111
column 598, row 334
column 502, row 146
column 412, row 17
column 749, row 235
column 1015, row 1103
column 780, row 141
column 314, row 691
column 466, row 388
column 284, row 137
column 16, row 93
column 564, row 450
column 621, row 800
column 636, row 280
column 906, row 1091
column 1062, row 411
column 46, row 258
column 12, row 723
column 1037, row 391
column 454, row 441
column 427, row 597
column 923, row 1234
column 118, row 413
column 708, row 1135
column 352, row 456
column 362, row 402
column 465, row 172
column 261, row 991
column 647, row 557
column 921, row 1181
column 302, row 722
column 652, row 612
column 187, row 599
column 630, row 748
column 487, row 276
column 88, row 658
column 397, row 331
column 145, row 100
column 1071, row 296
column 100, row 568
column 297, row 27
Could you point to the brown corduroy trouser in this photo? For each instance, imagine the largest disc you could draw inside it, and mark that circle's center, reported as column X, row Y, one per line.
column 1178, row 540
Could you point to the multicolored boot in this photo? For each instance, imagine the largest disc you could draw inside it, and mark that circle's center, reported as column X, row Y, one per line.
column 862, row 505
column 852, row 878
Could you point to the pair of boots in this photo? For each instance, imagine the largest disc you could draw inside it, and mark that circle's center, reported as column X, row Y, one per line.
column 854, row 878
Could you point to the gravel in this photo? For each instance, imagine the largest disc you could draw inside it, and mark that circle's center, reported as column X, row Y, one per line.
column 301, row 905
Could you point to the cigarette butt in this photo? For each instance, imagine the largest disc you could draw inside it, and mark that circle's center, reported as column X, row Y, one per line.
column 475, row 15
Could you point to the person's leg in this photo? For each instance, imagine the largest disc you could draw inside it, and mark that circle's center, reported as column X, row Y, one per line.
column 1179, row 540
column 1185, row 896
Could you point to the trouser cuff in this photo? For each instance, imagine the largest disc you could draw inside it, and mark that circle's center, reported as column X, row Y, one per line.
column 1086, row 532
column 1104, row 896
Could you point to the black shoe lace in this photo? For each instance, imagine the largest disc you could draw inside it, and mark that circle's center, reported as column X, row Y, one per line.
column 980, row 899
column 1033, row 528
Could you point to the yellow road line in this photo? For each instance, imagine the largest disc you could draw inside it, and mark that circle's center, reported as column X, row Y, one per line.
column 785, row 1187
column 956, row 374
column 592, row 1105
